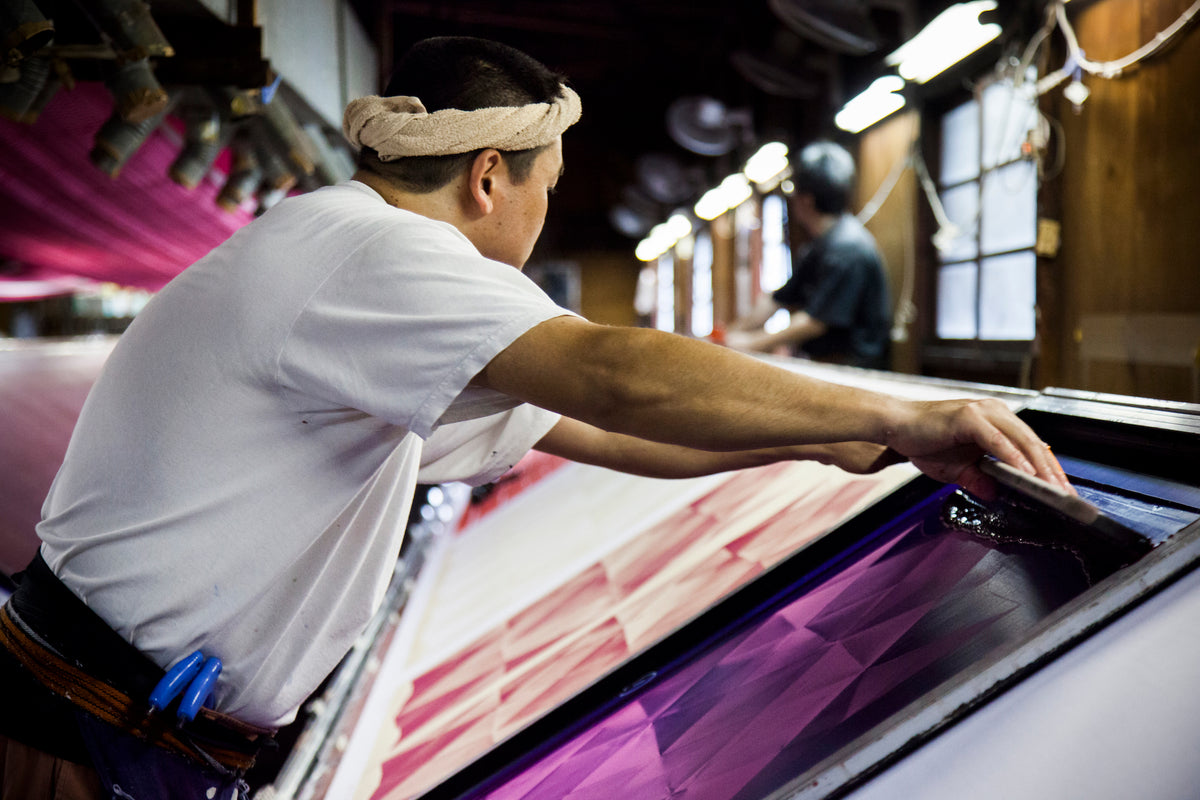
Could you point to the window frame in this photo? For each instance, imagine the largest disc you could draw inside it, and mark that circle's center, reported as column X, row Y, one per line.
column 1000, row 360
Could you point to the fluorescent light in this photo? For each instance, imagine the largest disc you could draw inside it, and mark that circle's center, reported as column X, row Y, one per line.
column 679, row 226
column 711, row 205
column 768, row 163
column 879, row 100
column 732, row 192
column 657, row 242
column 663, row 237
column 648, row 250
column 950, row 37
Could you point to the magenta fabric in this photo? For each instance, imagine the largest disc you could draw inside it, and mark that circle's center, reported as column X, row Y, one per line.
column 60, row 215
column 762, row 706
column 42, row 388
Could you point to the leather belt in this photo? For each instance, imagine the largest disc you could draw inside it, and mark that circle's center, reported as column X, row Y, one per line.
column 211, row 736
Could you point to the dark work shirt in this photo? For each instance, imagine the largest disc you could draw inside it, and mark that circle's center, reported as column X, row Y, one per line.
column 839, row 280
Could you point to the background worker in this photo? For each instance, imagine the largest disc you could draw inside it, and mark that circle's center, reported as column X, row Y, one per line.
column 838, row 293
column 240, row 476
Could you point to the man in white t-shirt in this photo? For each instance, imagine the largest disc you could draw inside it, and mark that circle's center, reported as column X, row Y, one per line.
column 240, row 476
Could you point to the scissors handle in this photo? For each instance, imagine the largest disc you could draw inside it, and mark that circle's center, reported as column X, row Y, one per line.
column 176, row 678
column 199, row 689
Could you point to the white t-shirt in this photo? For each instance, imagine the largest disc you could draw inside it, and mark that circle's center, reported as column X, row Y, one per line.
column 241, row 473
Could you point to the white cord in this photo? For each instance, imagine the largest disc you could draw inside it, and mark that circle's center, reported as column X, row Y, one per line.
column 1048, row 82
column 1104, row 69
column 1111, row 69
column 906, row 310
column 935, row 202
column 1035, row 44
column 885, row 189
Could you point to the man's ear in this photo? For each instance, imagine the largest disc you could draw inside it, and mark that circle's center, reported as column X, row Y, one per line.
column 481, row 184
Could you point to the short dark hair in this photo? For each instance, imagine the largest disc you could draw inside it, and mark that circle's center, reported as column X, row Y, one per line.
column 826, row 171
column 464, row 73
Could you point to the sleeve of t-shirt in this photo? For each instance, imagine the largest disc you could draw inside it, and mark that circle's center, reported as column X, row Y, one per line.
column 836, row 296
column 402, row 325
column 480, row 450
column 790, row 295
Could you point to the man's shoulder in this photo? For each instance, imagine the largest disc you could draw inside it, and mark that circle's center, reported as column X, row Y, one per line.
column 848, row 229
column 850, row 240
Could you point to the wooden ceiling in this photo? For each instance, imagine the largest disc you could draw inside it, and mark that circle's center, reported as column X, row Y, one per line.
column 630, row 60
column 768, row 65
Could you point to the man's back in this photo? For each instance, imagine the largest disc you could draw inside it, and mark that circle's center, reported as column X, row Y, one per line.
column 256, row 429
column 839, row 280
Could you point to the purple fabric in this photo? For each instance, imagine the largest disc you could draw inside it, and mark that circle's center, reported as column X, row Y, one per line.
column 630, row 598
column 765, row 704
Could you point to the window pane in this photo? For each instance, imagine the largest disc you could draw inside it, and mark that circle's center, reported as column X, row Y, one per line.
column 1008, row 116
column 702, row 287
column 1009, row 218
column 1007, row 288
column 666, row 292
column 962, row 207
column 956, row 301
column 960, row 144
column 776, row 257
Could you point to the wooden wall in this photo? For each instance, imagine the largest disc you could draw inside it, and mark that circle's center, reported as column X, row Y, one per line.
column 895, row 224
column 607, row 284
column 1128, row 197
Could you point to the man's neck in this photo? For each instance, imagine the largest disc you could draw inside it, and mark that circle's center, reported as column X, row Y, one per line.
column 439, row 204
column 822, row 223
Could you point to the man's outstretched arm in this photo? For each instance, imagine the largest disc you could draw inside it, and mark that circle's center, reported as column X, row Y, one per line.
column 675, row 390
column 587, row 444
column 802, row 328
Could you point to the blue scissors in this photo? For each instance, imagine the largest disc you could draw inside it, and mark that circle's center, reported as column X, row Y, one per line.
column 194, row 677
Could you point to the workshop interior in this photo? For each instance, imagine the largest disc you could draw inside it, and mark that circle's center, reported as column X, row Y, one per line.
column 1028, row 171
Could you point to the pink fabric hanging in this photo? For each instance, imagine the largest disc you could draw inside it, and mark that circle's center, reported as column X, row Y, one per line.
column 60, row 215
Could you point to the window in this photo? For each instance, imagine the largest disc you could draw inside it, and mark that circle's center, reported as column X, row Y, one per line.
column 702, row 285
column 987, row 266
column 776, row 257
column 665, row 316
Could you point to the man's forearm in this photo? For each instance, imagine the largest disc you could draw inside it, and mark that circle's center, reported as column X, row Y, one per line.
column 675, row 390
column 680, row 391
column 587, row 444
column 762, row 311
column 584, row 443
column 801, row 329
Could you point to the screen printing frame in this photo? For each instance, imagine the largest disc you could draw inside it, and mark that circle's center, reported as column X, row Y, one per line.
column 1144, row 437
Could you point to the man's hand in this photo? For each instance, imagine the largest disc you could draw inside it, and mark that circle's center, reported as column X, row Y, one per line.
column 801, row 329
column 947, row 439
column 746, row 341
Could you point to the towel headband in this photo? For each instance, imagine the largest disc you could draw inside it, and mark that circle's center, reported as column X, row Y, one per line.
column 399, row 127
